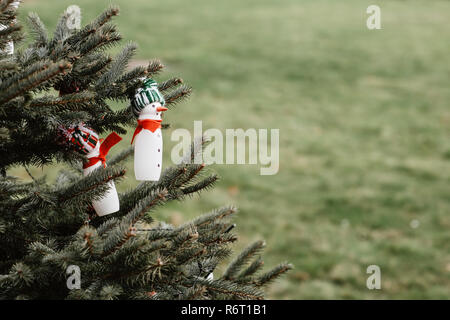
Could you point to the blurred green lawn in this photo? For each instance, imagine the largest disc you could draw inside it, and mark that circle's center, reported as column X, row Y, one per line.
column 364, row 124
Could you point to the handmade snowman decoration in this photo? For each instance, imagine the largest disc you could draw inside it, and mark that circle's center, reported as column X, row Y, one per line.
column 86, row 141
column 148, row 105
column 9, row 48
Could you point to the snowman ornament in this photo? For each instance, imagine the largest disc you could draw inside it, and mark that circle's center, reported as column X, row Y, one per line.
column 148, row 105
column 86, row 141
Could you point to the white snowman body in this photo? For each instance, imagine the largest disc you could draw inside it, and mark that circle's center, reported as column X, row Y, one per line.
column 109, row 203
column 148, row 146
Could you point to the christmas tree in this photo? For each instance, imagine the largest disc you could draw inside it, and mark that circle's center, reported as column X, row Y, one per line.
column 54, row 95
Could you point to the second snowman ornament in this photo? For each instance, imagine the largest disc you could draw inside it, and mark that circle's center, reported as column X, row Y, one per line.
column 148, row 105
column 86, row 141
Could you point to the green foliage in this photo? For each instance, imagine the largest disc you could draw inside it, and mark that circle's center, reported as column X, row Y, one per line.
column 45, row 228
column 364, row 126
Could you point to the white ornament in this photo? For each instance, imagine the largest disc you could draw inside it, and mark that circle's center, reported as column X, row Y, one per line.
column 15, row 4
column 9, row 48
column 149, row 144
column 109, row 203
column 73, row 17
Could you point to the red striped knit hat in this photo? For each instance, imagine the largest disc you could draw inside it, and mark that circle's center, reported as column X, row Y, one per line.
column 82, row 138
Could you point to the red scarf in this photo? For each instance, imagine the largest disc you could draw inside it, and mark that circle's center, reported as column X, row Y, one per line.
column 105, row 146
column 147, row 124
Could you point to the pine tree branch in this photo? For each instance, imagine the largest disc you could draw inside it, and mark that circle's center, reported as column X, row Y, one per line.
column 105, row 36
column 91, row 183
column 273, row 274
column 252, row 269
column 177, row 95
column 169, row 84
column 203, row 185
column 5, row 5
column 242, row 259
column 23, row 85
column 154, row 67
column 122, row 156
column 74, row 101
column 38, row 30
column 231, row 289
column 117, row 67
column 93, row 27
column 121, row 233
column 214, row 215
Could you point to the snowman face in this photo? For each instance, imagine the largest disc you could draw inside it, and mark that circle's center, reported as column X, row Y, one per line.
column 153, row 111
column 155, row 106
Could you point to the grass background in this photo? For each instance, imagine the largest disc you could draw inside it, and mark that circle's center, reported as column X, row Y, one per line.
column 364, row 124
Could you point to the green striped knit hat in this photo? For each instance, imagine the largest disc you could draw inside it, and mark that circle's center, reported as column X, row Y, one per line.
column 146, row 95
